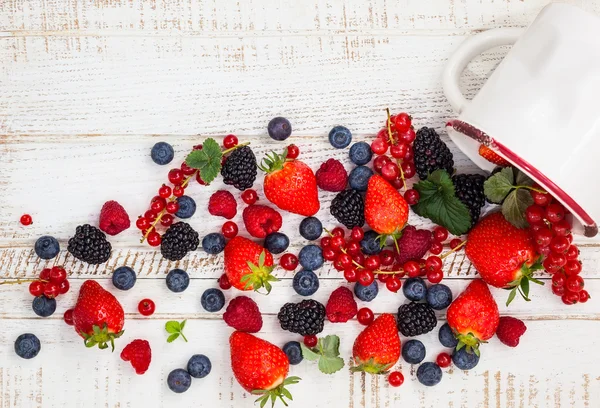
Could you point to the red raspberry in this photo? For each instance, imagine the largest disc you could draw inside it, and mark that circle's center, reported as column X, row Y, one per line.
column 243, row 314
column 139, row 353
column 222, row 204
column 510, row 330
column 113, row 218
column 413, row 244
column 261, row 220
column 341, row 305
column 332, row 176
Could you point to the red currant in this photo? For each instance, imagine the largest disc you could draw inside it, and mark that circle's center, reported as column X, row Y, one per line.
column 543, row 237
column 382, row 277
column 26, row 219
column 386, row 257
column 570, row 298
column 57, row 274
column 379, row 146
column 153, row 239
column 36, row 288
column 558, row 279
column 199, row 179
column 545, row 251
column 398, row 151
column 570, row 238
column 443, row 360
column 537, row 226
column 325, row 242
column 541, row 199
column 455, row 243
column 409, row 154
column 408, row 169
column 396, row 379
column 250, row 196
column 292, row 152
column 357, row 234
column 176, row 176
column 164, row 191
column 166, row 220
column 407, row 136
column 178, row 191
column 372, row 262
column 534, row 214
column 146, row 307
column 434, row 263
column 172, row 207
column 158, row 204
column 344, row 260
column 379, row 162
column 403, row 122
column 310, row 341
column 562, row 228
column 435, row 276
column 440, row 234
column 555, row 212
column 558, row 290
column 557, row 259
column 337, row 243
column 574, row 283
column 572, row 252
column 68, row 317
column 350, row 274
column 390, row 171
column 411, row 196
column 436, row 248
column 45, row 274
column 329, row 254
column 583, row 296
column 150, row 216
column 224, row 282
column 230, row 141
column 572, row 267
column 397, row 183
column 365, row 316
column 289, row 262
column 393, row 284
column 549, row 266
column 63, row 287
column 359, row 258
column 142, row 223
column 229, row 229
column 366, row 277
column 187, row 170
column 412, row 269
column 51, row 290
column 559, row 245
column 338, row 232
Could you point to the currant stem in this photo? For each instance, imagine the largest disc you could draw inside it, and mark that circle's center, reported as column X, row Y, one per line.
column 389, row 127
column 462, row 244
column 231, row 149
column 19, row 281
column 537, row 190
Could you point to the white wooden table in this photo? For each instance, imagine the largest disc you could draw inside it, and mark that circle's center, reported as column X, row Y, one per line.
column 87, row 87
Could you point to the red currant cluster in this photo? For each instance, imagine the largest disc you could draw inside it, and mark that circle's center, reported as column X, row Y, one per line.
column 51, row 283
column 552, row 234
column 397, row 137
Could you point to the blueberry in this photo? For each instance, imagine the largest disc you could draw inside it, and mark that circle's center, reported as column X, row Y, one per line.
column 447, row 337
column 370, row 243
column 366, row 293
column 463, row 360
column 213, row 243
column 429, row 374
column 439, row 296
column 199, row 366
column 413, row 351
column 47, row 247
column 124, row 278
column 277, row 242
column 279, row 128
column 177, row 280
column 414, row 289
column 360, row 153
column 212, row 300
column 340, row 137
column 27, row 346
column 187, row 207
column 311, row 257
column 311, row 228
column 162, row 153
column 359, row 178
column 179, row 380
column 293, row 351
column 43, row 306
column 305, row 282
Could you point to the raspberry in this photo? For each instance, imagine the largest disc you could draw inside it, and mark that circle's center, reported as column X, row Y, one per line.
column 139, row 354
column 413, row 244
column 341, row 306
column 113, row 218
column 510, row 330
column 222, row 204
column 261, row 220
column 243, row 314
column 332, row 176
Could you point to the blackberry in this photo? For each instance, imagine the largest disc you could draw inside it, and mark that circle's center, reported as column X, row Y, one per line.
column 348, row 207
column 305, row 318
column 178, row 240
column 89, row 245
column 469, row 189
column 239, row 169
column 415, row 319
column 431, row 153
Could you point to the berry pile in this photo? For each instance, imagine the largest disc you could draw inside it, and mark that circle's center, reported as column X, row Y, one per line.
column 52, row 282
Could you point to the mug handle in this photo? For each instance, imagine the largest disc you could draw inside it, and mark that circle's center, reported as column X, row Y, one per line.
column 468, row 50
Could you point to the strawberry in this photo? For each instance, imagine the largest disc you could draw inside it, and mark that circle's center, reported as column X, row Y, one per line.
column 503, row 254
column 386, row 211
column 98, row 316
column 248, row 265
column 260, row 367
column 243, row 314
column 261, row 220
column 140, row 355
column 473, row 316
column 377, row 347
column 492, row 156
column 290, row 184
column 113, row 218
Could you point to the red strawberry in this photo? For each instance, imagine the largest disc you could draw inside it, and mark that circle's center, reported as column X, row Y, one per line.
column 140, row 355
column 503, row 254
column 492, row 156
column 341, row 305
column 386, row 211
column 248, row 265
column 290, row 185
column 510, row 331
column 377, row 347
column 332, row 176
column 474, row 316
column 98, row 316
column 243, row 314
column 113, row 218
column 413, row 244
column 261, row 220
column 222, row 204
column 260, row 366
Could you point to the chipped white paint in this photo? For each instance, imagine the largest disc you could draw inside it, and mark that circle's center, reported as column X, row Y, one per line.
column 88, row 87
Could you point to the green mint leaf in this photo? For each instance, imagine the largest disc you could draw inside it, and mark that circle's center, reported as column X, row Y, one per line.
column 172, row 326
column 497, row 187
column 182, row 325
column 514, row 207
column 207, row 160
column 330, row 365
column 308, row 353
column 522, row 179
column 172, row 337
column 331, row 346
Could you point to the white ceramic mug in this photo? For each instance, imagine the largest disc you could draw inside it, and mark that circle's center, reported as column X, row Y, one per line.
column 540, row 109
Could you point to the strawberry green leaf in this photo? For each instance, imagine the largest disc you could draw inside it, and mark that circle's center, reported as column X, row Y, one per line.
column 497, row 187
column 331, row 345
column 511, row 296
column 327, row 352
column 514, row 207
column 525, row 286
column 522, row 179
column 330, row 365
column 308, row 353
column 207, row 160
column 172, row 337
